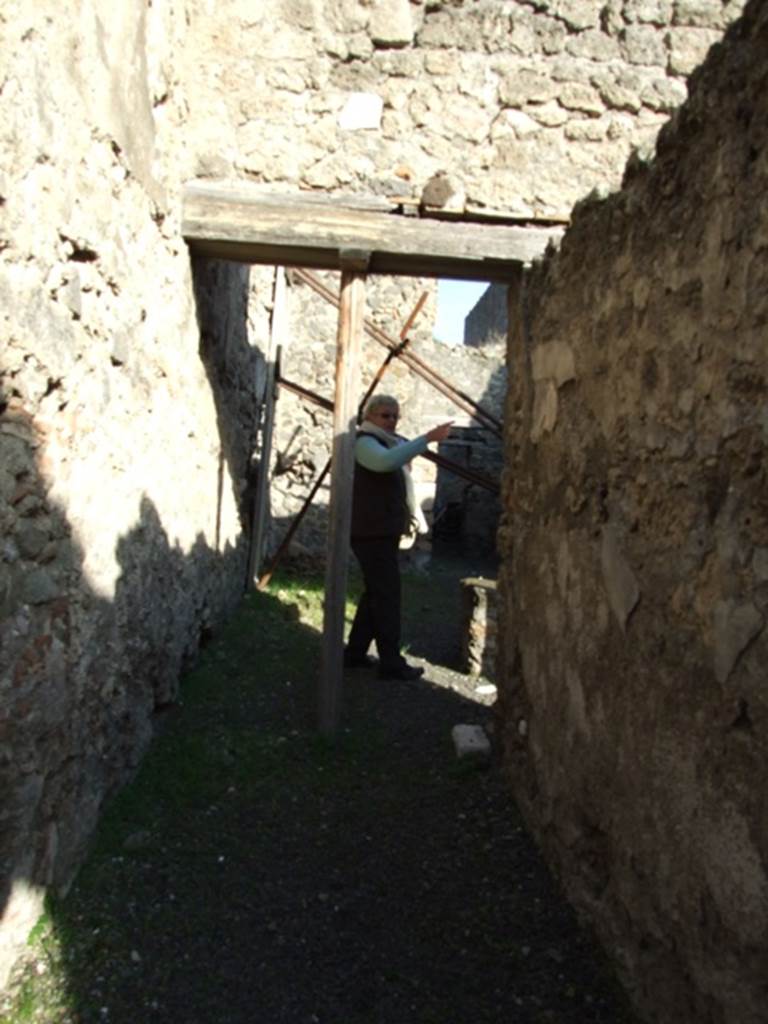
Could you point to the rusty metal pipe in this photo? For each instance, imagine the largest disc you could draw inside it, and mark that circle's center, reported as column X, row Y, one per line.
column 472, row 475
column 432, row 377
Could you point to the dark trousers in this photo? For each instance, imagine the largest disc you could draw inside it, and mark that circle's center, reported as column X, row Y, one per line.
column 378, row 612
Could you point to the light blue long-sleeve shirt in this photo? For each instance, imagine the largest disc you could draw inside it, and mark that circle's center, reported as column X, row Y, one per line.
column 374, row 456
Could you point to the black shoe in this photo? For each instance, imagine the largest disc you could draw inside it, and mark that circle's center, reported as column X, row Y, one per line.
column 358, row 660
column 404, row 671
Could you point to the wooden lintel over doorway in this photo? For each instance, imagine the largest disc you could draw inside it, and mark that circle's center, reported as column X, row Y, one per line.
column 358, row 236
column 246, row 224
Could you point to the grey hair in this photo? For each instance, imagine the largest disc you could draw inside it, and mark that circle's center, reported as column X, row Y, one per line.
column 379, row 402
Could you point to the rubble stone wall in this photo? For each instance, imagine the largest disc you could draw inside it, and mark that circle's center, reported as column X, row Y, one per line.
column 130, row 380
column 128, row 401
column 527, row 104
column 634, row 589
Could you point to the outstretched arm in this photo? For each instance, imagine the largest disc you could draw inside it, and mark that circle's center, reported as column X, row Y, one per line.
column 374, row 456
column 439, row 433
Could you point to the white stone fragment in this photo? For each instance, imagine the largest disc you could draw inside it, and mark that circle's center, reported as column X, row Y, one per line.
column 362, row 110
column 470, row 741
column 553, row 360
column 521, row 123
column 545, row 404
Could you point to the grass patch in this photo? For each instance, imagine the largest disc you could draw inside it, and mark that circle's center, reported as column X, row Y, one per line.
column 217, row 745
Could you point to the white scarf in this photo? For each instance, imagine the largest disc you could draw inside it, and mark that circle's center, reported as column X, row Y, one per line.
column 418, row 524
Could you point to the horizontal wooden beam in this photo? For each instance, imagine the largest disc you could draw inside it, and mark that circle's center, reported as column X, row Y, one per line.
column 246, row 224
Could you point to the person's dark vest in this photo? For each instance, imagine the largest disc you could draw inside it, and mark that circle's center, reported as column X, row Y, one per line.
column 379, row 506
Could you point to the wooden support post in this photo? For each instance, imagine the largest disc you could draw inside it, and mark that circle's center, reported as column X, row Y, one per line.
column 519, row 350
column 276, row 335
column 348, row 345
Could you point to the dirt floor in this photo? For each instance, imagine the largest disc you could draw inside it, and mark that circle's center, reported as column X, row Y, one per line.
column 256, row 874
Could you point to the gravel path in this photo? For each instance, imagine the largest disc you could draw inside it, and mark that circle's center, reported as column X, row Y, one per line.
column 258, row 875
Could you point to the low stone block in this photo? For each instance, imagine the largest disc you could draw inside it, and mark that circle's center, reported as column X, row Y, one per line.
column 470, row 741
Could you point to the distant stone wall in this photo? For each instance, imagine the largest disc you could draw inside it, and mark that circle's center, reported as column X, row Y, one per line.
column 467, row 513
column 486, row 322
column 634, row 587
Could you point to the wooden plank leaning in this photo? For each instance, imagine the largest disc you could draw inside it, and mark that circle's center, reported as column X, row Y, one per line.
column 276, row 335
column 393, row 353
column 267, row 575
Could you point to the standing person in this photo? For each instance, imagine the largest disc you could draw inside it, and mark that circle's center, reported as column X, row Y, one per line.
column 383, row 507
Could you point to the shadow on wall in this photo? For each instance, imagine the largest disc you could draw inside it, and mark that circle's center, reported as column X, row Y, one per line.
column 85, row 680
column 237, row 373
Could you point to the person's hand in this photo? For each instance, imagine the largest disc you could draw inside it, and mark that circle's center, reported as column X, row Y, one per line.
column 439, row 433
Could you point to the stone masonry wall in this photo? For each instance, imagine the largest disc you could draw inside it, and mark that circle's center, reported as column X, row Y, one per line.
column 130, row 380
column 528, row 103
column 127, row 417
column 634, row 587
